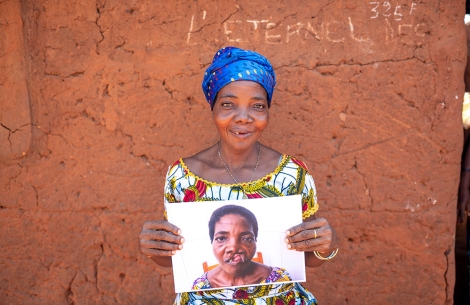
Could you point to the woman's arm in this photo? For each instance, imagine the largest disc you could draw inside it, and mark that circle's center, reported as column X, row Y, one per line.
column 302, row 238
column 159, row 239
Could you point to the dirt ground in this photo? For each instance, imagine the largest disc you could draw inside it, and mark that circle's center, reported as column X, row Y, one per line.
column 98, row 98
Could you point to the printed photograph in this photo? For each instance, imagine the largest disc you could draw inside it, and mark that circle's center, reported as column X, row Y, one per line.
column 239, row 242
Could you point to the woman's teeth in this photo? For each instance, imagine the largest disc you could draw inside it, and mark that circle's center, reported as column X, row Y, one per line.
column 236, row 259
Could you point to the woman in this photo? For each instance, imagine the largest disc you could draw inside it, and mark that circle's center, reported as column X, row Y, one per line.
column 239, row 86
column 233, row 231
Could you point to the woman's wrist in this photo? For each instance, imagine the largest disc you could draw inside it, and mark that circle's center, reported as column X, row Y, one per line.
column 322, row 255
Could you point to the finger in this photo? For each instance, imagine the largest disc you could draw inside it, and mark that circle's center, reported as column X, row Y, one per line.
column 319, row 244
column 309, row 234
column 162, row 225
column 154, row 252
column 317, row 223
column 159, row 245
column 161, row 235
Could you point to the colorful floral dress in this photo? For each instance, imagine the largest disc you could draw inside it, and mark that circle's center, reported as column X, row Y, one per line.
column 290, row 177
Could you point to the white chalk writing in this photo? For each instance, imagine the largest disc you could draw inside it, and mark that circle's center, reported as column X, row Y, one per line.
column 374, row 9
column 190, row 29
column 256, row 22
column 388, row 7
column 336, row 31
column 385, row 9
column 397, row 13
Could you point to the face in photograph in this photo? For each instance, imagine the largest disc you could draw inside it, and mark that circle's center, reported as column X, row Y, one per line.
column 234, row 243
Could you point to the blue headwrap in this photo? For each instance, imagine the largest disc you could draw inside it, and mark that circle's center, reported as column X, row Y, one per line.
column 232, row 64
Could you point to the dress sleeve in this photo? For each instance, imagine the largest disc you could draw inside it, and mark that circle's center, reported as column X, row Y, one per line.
column 201, row 283
column 171, row 188
column 309, row 197
column 305, row 186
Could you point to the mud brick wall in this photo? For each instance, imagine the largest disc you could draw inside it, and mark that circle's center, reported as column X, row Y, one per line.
column 97, row 98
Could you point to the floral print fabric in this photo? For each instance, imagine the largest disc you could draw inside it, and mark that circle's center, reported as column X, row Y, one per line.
column 291, row 177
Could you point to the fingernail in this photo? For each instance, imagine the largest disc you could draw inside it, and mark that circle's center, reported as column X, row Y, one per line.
column 289, row 246
column 180, row 247
column 286, row 240
column 173, row 252
column 179, row 232
column 288, row 232
column 182, row 240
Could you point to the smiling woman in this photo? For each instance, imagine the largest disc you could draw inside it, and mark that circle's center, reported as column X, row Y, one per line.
column 239, row 86
column 237, row 104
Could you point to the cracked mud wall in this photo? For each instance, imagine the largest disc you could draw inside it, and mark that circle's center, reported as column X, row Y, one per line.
column 15, row 113
column 369, row 94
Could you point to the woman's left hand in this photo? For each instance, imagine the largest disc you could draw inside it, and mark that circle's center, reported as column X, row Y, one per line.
column 314, row 235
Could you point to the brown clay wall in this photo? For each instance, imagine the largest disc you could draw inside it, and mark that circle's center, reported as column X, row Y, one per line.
column 99, row 97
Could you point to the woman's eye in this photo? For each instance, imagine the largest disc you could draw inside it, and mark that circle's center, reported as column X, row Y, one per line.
column 220, row 239
column 260, row 106
column 226, row 104
column 248, row 239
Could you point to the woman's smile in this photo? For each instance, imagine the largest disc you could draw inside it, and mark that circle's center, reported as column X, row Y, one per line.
column 242, row 133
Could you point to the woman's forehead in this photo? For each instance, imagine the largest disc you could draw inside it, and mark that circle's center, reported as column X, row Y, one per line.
column 243, row 86
column 232, row 220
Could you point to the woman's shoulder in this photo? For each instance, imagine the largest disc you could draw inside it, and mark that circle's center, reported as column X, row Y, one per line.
column 197, row 162
column 291, row 164
column 278, row 275
column 201, row 162
column 298, row 162
column 201, row 283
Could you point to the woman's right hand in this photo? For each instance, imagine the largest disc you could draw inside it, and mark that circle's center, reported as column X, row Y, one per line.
column 160, row 238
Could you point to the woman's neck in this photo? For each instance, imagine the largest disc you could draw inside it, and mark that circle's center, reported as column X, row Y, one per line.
column 239, row 160
column 253, row 274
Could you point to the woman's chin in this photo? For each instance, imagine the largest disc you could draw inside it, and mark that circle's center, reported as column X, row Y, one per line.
column 242, row 140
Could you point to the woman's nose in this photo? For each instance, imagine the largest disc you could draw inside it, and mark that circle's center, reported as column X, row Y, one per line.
column 233, row 244
column 243, row 115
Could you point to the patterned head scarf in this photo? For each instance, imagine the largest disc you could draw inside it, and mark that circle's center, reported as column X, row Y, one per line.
column 232, row 64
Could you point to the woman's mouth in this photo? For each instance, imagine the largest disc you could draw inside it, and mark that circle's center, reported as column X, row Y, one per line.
column 241, row 133
column 236, row 259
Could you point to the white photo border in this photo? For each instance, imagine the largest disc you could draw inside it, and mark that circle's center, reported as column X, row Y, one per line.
column 274, row 215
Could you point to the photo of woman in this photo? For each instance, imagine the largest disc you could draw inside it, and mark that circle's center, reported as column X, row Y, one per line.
column 233, row 231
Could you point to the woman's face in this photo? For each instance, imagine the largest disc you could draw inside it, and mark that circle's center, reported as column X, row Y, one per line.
column 234, row 243
column 241, row 114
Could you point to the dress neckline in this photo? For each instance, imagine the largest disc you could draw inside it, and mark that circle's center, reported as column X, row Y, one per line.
column 268, row 280
column 282, row 160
